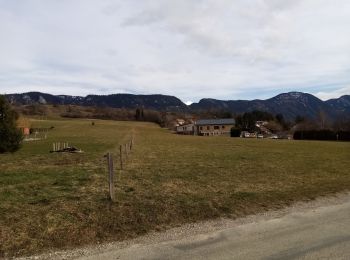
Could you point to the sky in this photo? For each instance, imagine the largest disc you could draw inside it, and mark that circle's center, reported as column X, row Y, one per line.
column 192, row 49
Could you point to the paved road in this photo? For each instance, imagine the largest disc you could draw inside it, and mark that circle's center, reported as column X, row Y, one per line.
column 320, row 233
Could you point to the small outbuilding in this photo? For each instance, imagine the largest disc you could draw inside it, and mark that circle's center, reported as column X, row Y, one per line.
column 187, row 129
column 24, row 124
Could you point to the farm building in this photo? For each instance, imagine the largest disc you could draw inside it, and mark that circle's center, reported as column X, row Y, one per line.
column 187, row 129
column 208, row 127
column 180, row 121
column 24, row 124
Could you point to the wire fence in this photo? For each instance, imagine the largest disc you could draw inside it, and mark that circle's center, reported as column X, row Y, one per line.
column 124, row 154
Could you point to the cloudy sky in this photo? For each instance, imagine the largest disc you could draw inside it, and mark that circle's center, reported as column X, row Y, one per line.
column 225, row 49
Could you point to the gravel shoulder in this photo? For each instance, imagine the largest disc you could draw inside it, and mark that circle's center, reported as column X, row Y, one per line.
column 201, row 229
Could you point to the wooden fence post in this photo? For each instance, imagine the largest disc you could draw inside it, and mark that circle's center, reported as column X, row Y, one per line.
column 111, row 175
column 121, row 156
column 126, row 151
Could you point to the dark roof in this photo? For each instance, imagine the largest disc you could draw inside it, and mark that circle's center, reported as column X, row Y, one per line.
column 224, row 121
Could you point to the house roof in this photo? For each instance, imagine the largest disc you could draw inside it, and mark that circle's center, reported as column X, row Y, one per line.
column 223, row 121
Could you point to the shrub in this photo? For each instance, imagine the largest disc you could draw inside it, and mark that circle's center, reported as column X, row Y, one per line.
column 343, row 135
column 10, row 136
column 235, row 132
column 321, row 135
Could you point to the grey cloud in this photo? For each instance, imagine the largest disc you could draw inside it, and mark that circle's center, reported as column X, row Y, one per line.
column 143, row 19
column 192, row 49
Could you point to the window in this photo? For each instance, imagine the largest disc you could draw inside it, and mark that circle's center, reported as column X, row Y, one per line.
column 216, row 127
column 223, row 127
column 201, row 128
column 208, row 128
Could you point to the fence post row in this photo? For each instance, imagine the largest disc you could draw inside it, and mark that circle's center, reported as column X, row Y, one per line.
column 127, row 148
column 58, row 146
column 111, row 175
column 121, row 157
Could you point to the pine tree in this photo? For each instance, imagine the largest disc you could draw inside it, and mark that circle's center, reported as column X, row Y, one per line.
column 138, row 114
column 10, row 136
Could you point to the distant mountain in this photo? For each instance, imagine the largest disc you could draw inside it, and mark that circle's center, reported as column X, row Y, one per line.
column 289, row 104
column 340, row 105
column 157, row 102
column 297, row 103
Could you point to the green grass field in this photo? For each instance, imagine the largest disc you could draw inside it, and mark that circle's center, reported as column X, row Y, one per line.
column 50, row 201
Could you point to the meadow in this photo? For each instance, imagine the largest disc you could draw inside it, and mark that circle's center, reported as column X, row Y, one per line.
column 58, row 200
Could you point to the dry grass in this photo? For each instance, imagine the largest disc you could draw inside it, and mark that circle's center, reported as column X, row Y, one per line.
column 53, row 201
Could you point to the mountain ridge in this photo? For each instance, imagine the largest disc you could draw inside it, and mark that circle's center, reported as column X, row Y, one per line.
column 290, row 104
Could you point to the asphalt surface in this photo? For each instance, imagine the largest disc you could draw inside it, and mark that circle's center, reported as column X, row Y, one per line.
column 317, row 233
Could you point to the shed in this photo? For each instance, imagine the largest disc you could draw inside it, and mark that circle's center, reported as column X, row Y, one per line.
column 24, row 124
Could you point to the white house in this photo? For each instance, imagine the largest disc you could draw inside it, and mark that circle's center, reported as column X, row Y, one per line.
column 187, row 129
